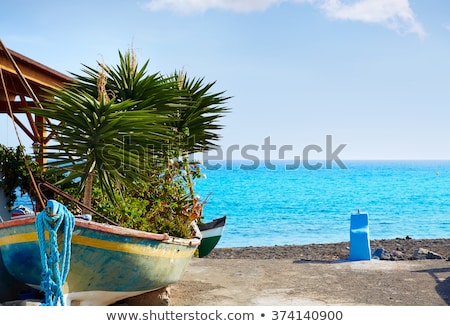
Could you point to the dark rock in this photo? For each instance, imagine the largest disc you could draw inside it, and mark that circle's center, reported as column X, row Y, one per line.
column 422, row 253
column 380, row 253
column 398, row 249
column 398, row 255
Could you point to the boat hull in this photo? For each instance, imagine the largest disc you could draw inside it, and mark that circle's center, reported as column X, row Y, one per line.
column 211, row 234
column 10, row 288
column 108, row 263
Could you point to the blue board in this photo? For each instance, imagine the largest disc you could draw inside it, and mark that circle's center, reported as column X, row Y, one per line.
column 359, row 237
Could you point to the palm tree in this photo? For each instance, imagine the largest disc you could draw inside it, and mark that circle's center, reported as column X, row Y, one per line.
column 192, row 110
column 103, row 138
column 196, row 119
column 119, row 124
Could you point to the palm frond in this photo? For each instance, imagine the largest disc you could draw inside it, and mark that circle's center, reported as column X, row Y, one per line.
column 108, row 139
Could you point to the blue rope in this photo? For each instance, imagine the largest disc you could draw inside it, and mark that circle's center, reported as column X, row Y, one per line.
column 55, row 265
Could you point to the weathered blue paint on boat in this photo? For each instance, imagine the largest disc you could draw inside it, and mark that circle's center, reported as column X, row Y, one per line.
column 10, row 288
column 108, row 263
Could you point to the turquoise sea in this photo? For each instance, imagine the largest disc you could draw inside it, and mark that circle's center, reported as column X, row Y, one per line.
column 280, row 206
column 266, row 206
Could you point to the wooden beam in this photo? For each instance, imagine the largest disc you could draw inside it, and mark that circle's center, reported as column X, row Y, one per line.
column 16, row 106
column 26, row 79
column 33, row 71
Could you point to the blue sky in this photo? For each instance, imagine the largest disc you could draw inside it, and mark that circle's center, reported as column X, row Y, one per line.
column 374, row 74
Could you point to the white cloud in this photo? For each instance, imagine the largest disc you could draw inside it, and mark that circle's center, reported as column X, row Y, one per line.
column 394, row 14
column 191, row 6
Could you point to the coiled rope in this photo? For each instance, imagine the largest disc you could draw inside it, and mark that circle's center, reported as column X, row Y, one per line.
column 55, row 264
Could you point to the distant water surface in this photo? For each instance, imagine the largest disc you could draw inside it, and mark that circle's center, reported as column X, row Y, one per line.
column 267, row 207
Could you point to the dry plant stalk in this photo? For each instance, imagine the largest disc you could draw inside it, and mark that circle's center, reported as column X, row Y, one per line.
column 101, row 85
column 181, row 78
column 133, row 61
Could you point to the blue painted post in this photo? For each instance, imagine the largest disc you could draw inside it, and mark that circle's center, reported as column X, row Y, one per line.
column 359, row 237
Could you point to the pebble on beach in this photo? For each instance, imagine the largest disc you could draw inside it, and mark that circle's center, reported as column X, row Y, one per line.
column 395, row 249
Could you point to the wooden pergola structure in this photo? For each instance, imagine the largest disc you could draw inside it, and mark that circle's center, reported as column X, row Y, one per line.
column 22, row 85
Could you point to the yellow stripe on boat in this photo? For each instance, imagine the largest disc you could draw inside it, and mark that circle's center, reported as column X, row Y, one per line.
column 18, row 238
column 129, row 247
column 102, row 244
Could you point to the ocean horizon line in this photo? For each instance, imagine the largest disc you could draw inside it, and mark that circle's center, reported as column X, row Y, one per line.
column 347, row 160
column 311, row 164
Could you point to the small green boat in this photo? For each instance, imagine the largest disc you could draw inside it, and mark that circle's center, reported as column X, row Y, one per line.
column 211, row 234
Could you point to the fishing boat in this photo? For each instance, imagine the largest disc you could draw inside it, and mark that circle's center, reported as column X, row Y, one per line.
column 108, row 263
column 211, row 234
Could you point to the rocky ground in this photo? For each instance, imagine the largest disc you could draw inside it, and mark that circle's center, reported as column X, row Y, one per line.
column 395, row 249
column 408, row 272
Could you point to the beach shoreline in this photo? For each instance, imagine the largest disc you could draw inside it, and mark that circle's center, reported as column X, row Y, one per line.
column 394, row 249
column 317, row 275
